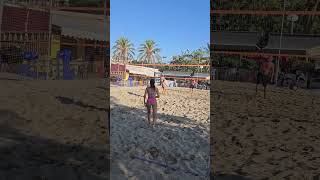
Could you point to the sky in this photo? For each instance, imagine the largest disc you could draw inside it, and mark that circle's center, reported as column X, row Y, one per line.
column 175, row 25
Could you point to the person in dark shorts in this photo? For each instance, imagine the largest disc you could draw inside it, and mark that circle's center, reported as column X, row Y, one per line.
column 265, row 74
column 193, row 84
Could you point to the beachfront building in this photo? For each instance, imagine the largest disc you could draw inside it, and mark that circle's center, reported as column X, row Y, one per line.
column 58, row 3
column 171, row 75
column 117, row 70
column 183, row 79
column 29, row 28
column 131, row 75
column 86, row 35
column 241, row 44
column 135, row 72
column 141, row 72
column 292, row 44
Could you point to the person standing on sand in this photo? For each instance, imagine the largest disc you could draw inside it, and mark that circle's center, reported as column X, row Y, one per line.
column 163, row 83
column 193, row 84
column 265, row 74
column 152, row 92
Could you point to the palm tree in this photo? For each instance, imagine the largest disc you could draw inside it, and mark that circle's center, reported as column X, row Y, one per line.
column 149, row 53
column 207, row 49
column 123, row 50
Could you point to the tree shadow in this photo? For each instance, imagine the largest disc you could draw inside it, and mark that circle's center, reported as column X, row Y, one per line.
column 10, row 79
column 103, row 88
column 228, row 177
column 26, row 156
column 134, row 94
column 67, row 100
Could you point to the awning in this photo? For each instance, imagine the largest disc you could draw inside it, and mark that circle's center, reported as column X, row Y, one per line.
column 140, row 70
column 292, row 44
column 185, row 74
column 82, row 25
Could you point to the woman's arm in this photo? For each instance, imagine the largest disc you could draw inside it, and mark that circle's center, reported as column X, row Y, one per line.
column 158, row 94
column 144, row 97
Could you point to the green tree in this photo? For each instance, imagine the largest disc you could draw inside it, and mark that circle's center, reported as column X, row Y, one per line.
column 149, row 52
column 200, row 56
column 123, row 50
column 305, row 24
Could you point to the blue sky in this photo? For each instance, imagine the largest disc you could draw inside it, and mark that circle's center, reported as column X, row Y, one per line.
column 175, row 25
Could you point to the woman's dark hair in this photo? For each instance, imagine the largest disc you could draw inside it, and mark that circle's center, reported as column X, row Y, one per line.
column 152, row 83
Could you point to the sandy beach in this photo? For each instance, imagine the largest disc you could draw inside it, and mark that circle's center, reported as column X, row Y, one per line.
column 273, row 138
column 53, row 129
column 177, row 148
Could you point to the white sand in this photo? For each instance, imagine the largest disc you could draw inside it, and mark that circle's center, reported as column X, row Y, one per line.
column 41, row 132
column 180, row 138
column 274, row 138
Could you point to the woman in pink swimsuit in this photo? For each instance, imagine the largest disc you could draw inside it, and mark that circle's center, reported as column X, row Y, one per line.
column 152, row 92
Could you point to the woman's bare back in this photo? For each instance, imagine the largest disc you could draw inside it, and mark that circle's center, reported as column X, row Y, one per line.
column 152, row 93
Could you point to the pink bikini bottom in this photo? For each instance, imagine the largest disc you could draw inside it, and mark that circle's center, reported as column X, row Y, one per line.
column 151, row 101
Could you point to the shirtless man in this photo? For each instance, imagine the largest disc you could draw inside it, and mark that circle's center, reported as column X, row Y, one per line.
column 163, row 83
column 265, row 74
column 193, row 85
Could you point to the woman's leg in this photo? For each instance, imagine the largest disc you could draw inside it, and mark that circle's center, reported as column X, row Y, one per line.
column 154, row 113
column 149, row 113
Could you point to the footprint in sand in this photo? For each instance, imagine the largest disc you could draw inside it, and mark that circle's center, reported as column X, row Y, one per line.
column 154, row 152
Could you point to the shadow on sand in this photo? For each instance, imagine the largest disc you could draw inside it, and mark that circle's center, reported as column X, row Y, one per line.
column 33, row 157
column 134, row 94
column 67, row 100
column 9, row 79
column 197, row 131
column 170, row 132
